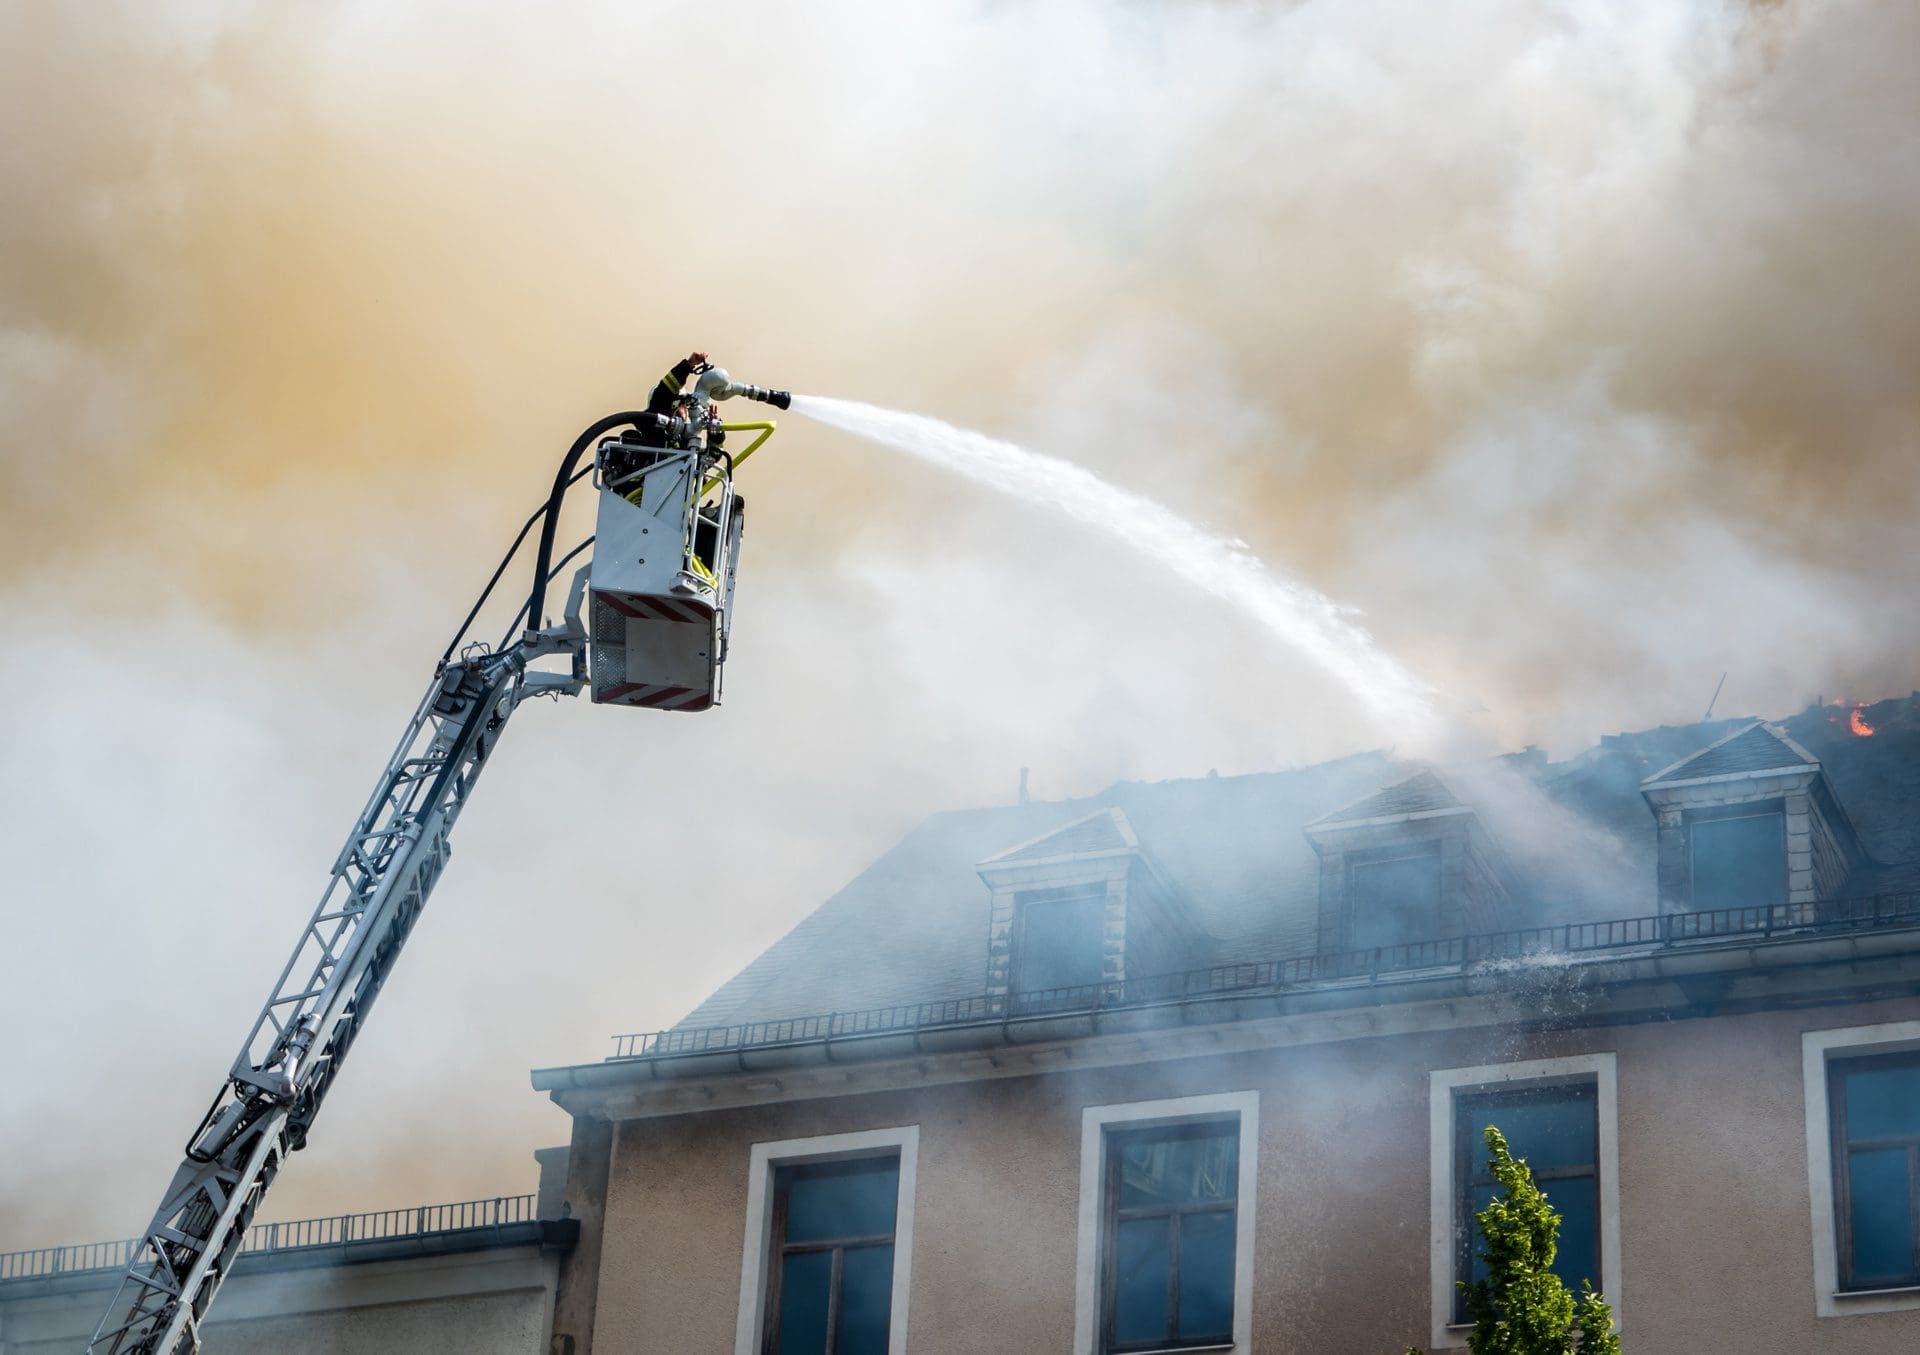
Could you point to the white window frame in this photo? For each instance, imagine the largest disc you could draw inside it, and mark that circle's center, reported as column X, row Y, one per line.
column 1094, row 1123
column 903, row 1139
column 1817, row 1049
column 1446, row 1083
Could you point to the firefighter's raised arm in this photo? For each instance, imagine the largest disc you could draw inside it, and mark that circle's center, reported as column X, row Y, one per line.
column 674, row 382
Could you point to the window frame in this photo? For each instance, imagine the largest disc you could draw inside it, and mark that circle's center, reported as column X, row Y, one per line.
column 1467, row 1174
column 1774, row 808
column 1112, row 1215
column 1841, row 1146
column 765, row 1161
column 1601, row 1070
column 1241, row 1107
column 1820, row 1049
column 1357, row 860
column 779, row 1248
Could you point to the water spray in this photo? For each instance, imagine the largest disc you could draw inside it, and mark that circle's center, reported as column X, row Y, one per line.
column 1300, row 616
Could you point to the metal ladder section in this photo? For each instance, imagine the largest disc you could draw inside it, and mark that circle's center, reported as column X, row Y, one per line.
column 380, row 882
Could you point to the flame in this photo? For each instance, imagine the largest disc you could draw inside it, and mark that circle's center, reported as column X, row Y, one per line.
column 1858, row 723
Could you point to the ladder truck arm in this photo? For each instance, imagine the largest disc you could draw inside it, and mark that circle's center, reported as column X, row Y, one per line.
column 379, row 884
column 399, row 845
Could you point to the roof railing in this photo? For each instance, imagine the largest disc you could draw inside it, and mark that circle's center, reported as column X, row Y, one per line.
column 329, row 1231
column 1524, row 946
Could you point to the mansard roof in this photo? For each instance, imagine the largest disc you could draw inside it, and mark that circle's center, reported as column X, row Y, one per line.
column 1235, row 850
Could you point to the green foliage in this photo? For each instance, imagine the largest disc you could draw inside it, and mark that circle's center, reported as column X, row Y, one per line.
column 1522, row 1307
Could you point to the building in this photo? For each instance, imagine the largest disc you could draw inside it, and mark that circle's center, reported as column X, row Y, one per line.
column 1201, row 1065
column 477, row 1276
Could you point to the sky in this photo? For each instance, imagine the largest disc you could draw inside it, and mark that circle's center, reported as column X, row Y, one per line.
column 1574, row 346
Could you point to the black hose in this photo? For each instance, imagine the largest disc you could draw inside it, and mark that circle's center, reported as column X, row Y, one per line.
column 552, row 574
column 543, row 563
column 501, row 568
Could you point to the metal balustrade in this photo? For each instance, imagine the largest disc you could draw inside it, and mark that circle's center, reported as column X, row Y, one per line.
column 329, row 1231
column 1525, row 947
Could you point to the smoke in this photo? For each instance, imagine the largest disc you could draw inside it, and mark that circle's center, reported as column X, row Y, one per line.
column 1310, row 623
column 1571, row 343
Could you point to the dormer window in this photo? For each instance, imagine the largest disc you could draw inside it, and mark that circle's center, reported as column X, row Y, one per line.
column 1748, row 821
column 1078, row 907
column 1737, row 855
column 1407, row 864
column 1060, row 938
column 1394, row 895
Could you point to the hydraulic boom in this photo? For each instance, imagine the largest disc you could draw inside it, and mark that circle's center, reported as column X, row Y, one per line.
column 671, row 474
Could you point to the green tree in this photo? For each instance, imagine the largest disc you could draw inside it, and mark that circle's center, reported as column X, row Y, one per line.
column 1522, row 1307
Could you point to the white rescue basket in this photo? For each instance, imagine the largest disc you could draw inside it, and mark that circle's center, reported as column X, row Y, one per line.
column 665, row 548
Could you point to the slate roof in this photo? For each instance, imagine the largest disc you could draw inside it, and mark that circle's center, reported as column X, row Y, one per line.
column 1104, row 830
column 912, row 927
column 1756, row 748
column 1421, row 793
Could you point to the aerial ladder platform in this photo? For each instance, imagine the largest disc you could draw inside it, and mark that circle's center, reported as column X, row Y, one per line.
column 646, row 624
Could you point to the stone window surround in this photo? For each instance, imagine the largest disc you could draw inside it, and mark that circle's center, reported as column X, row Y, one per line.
column 903, row 1140
column 1601, row 1069
column 1243, row 1106
column 1817, row 1047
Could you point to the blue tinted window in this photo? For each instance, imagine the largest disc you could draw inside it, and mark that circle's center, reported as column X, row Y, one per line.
column 1739, row 863
column 1171, row 1210
column 805, row 1293
column 1394, row 901
column 1143, row 1267
column 1062, row 939
column 1882, row 1223
column 833, row 1258
column 1549, row 1131
column 843, row 1204
column 1555, row 1130
column 1206, row 1275
column 866, row 1301
column 1184, row 1170
column 1875, row 1103
column 1883, row 1103
column 1576, row 1260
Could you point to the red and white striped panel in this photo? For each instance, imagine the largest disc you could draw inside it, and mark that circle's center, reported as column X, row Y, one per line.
column 658, row 609
column 660, row 698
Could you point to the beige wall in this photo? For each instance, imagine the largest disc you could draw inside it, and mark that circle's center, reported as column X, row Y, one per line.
column 1713, row 1183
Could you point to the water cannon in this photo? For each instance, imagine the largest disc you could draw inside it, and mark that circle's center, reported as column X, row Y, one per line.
column 715, row 384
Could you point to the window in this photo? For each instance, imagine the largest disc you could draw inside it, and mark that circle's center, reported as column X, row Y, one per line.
column 1560, row 1114
column 1738, row 856
column 1166, row 1240
column 830, row 1278
column 1061, row 939
column 1874, row 1103
column 1394, row 898
column 1556, row 1129
column 829, row 1244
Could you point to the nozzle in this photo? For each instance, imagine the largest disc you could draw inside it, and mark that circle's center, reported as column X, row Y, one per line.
column 778, row 399
column 715, row 384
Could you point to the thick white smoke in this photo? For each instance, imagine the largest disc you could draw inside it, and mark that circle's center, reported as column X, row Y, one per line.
column 1573, row 342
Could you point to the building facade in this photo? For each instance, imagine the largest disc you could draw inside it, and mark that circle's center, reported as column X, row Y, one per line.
column 477, row 1276
column 1202, row 1066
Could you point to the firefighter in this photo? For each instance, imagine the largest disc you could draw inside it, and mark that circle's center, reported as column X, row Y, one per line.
column 671, row 386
